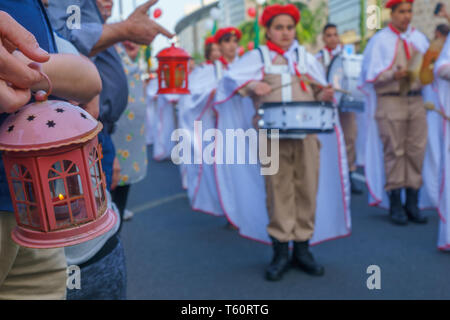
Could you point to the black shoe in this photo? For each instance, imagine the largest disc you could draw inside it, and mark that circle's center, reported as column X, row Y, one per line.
column 280, row 261
column 303, row 259
column 354, row 187
column 411, row 207
column 398, row 215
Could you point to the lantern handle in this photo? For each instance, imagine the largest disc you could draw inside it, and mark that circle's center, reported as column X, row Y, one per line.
column 42, row 95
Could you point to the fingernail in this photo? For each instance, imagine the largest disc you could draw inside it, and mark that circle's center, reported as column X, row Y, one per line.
column 41, row 51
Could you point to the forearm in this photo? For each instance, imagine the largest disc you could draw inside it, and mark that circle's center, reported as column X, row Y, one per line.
column 249, row 89
column 111, row 34
column 73, row 77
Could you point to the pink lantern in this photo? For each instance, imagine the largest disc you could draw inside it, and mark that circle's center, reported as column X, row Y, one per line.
column 251, row 45
column 251, row 12
column 53, row 165
column 157, row 13
column 173, row 72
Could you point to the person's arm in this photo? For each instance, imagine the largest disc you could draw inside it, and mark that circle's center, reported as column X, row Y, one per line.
column 92, row 37
column 256, row 88
column 73, row 77
column 16, row 77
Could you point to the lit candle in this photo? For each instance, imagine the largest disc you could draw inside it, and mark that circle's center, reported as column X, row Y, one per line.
column 62, row 209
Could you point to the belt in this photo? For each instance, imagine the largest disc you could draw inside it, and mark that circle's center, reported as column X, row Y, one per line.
column 397, row 94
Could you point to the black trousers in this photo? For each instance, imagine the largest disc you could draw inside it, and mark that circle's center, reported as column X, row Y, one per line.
column 120, row 198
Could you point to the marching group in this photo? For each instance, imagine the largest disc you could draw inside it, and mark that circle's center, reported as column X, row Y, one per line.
column 400, row 144
column 403, row 148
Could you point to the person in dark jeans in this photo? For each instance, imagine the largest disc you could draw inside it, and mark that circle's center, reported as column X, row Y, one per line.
column 106, row 271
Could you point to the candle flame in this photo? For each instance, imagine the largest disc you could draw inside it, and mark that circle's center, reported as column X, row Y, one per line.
column 61, row 197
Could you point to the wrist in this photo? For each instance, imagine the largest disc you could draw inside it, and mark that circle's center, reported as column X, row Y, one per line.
column 121, row 30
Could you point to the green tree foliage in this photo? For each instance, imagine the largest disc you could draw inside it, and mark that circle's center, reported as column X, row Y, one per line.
column 307, row 30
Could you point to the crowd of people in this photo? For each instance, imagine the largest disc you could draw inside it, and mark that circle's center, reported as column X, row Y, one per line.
column 306, row 201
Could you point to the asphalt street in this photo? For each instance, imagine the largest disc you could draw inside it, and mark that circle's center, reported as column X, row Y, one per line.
column 175, row 253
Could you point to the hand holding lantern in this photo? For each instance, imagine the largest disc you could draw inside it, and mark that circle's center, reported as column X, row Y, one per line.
column 52, row 162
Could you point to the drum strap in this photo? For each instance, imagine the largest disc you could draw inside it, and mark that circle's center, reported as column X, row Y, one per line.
column 219, row 69
column 283, row 70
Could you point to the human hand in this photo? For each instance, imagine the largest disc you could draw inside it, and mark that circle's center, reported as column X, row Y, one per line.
column 141, row 29
column 327, row 94
column 93, row 107
column 17, row 77
column 260, row 88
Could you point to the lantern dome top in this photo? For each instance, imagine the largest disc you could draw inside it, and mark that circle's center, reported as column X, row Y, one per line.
column 47, row 125
column 173, row 52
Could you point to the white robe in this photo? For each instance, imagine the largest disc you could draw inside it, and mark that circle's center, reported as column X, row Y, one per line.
column 165, row 126
column 360, row 141
column 378, row 57
column 152, row 89
column 200, row 177
column 443, row 90
column 241, row 187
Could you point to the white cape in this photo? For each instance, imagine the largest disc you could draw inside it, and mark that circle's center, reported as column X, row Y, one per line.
column 165, row 126
column 443, row 90
column 152, row 98
column 378, row 57
column 241, row 187
column 200, row 177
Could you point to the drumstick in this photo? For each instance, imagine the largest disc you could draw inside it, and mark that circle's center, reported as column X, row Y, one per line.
column 430, row 106
column 313, row 83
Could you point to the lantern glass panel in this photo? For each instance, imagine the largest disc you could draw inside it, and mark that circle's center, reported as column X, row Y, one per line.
column 57, row 167
column 29, row 192
column 62, row 214
column 79, row 212
column 70, row 167
column 18, row 190
column 15, row 171
column 23, row 215
column 74, row 185
column 27, row 175
column 34, row 214
column 57, row 190
column 165, row 76
column 98, row 201
column 180, row 76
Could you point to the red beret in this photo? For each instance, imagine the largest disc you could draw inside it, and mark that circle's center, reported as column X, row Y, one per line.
column 210, row 40
column 230, row 30
column 277, row 9
column 392, row 3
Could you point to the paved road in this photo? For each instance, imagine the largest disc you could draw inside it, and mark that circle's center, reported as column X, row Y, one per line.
column 175, row 253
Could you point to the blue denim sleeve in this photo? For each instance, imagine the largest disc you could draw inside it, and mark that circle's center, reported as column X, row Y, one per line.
column 64, row 15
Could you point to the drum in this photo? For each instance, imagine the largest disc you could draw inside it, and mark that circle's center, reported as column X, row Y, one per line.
column 343, row 73
column 295, row 120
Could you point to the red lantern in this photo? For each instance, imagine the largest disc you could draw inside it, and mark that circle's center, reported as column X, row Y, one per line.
column 251, row 12
column 52, row 162
column 173, row 71
column 157, row 13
